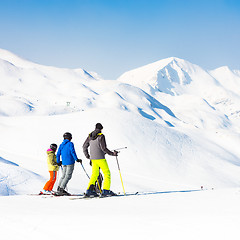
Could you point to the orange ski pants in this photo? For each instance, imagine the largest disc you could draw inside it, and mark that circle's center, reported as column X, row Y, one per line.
column 50, row 183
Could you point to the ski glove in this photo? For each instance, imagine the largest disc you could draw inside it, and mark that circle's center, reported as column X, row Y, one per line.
column 79, row 160
column 115, row 153
column 59, row 164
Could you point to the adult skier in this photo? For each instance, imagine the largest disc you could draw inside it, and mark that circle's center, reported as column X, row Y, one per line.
column 98, row 148
column 67, row 152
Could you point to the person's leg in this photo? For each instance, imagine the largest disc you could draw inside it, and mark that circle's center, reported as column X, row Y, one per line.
column 53, row 180
column 106, row 173
column 95, row 173
column 64, row 168
column 68, row 175
column 49, row 182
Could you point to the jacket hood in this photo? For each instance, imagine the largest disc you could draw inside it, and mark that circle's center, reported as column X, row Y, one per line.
column 93, row 135
column 65, row 141
column 50, row 151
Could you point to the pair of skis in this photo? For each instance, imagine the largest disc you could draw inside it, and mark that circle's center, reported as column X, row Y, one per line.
column 55, row 195
column 117, row 195
column 82, row 196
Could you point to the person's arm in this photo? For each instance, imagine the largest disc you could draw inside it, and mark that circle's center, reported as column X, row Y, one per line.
column 85, row 148
column 73, row 152
column 52, row 159
column 59, row 154
column 103, row 146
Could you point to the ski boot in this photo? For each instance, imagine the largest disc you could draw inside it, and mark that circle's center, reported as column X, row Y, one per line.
column 62, row 192
column 45, row 192
column 91, row 193
column 107, row 193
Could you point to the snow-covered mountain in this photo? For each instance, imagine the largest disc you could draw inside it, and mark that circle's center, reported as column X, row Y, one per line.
column 179, row 121
column 192, row 89
column 28, row 87
column 176, row 76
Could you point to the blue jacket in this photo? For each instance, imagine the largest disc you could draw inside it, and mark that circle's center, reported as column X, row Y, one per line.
column 67, row 151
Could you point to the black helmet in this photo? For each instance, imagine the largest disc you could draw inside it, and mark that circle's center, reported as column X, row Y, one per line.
column 99, row 126
column 53, row 146
column 67, row 135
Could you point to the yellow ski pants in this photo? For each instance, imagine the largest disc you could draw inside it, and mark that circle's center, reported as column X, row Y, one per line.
column 96, row 164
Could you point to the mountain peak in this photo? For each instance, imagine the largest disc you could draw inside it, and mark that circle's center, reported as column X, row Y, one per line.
column 163, row 75
column 223, row 68
column 164, row 62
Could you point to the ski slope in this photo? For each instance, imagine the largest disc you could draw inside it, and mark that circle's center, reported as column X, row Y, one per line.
column 180, row 215
column 179, row 122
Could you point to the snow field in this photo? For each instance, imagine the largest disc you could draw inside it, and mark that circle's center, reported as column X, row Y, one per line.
column 211, row 214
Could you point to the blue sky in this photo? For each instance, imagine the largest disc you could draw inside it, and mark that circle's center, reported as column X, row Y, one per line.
column 114, row 36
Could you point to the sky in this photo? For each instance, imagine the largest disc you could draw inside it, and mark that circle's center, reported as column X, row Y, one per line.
column 111, row 37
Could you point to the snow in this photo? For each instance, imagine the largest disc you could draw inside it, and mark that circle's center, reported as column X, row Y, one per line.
column 179, row 122
column 187, row 215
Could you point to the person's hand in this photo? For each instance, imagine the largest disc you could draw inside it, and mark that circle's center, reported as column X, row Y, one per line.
column 115, row 153
column 59, row 164
column 79, row 160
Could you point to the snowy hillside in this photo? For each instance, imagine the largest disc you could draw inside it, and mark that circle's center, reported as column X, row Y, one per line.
column 179, row 122
column 27, row 87
column 167, row 113
column 16, row 180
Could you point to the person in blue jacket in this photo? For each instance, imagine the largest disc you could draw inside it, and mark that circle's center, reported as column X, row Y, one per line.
column 67, row 152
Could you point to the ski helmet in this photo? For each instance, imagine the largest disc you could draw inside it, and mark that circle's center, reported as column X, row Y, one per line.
column 99, row 126
column 67, row 135
column 53, row 146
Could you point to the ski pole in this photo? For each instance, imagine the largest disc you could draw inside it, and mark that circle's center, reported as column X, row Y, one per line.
column 119, row 148
column 120, row 175
column 85, row 170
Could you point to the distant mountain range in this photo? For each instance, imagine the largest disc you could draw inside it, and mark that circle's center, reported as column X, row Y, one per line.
column 172, row 91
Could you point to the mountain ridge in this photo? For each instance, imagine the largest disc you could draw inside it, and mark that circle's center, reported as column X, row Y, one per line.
column 50, row 90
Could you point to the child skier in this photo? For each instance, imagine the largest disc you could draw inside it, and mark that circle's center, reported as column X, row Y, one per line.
column 52, row 168
column 98, row 149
